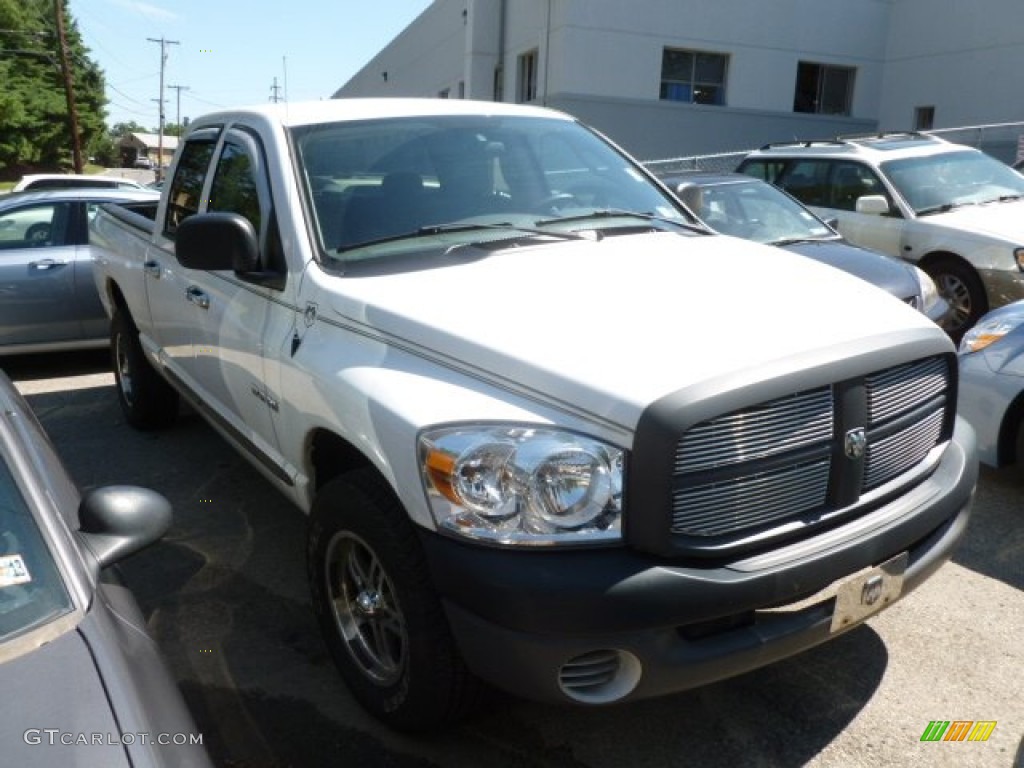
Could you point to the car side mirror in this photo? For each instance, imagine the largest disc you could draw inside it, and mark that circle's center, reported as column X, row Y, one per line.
column 217, row 241
column 120, row 520
column 873, row 205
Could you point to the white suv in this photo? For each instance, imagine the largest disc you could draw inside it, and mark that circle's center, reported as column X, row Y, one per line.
column 952, row 210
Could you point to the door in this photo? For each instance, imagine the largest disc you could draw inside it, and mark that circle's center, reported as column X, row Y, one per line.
column 235, row 310
column 174, row 318
column 884, row 233
column 37, row 275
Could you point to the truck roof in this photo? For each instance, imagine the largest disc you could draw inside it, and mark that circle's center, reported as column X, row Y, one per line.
column 331, row 110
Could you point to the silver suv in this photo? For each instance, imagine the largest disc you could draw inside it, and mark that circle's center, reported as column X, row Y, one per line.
column 952, row 210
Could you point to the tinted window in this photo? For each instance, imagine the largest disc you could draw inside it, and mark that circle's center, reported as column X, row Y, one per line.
column 234, row 186
column 187, row 187
column 36, row 226
column 31, row 590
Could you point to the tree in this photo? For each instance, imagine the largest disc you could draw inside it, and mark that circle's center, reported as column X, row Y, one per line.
column 34, row 127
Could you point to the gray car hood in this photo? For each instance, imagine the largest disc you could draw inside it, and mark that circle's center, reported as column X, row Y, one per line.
column 29, row 709
column 878, row 269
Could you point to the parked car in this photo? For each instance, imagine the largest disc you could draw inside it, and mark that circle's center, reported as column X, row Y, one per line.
column 76, row 662
column 48, row 299
column 742, row 206
column 953, row 210
column 40, row 181
column 143, row 162
column 991, row 395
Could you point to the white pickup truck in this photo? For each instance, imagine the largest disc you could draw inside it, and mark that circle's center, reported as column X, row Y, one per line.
column 551, row 433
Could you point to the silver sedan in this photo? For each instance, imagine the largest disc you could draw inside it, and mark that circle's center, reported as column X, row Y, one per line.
column 991, row 393
column 48, row 299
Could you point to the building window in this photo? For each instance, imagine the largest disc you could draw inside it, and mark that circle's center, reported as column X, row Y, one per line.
column 462, row 89
column 924, row 118
column 444, row 93
column 823, row 89
column 526, row 88
column 696, row 77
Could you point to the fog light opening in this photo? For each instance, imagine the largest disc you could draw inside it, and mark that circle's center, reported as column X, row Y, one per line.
column 600, row 677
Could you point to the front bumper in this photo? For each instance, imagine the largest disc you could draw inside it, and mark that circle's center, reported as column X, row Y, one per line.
column 528, row 622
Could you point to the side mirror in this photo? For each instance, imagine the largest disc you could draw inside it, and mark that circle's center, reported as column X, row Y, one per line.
column 217, row 241
column 119, row 520
column 873, row 205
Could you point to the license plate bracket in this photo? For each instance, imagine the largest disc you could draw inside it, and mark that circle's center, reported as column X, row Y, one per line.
column 868, row 592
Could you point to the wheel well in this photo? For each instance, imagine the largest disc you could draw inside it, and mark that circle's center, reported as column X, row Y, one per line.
column 938, row 257
column 331, row 456
column 116, row 297
column 1007, row 446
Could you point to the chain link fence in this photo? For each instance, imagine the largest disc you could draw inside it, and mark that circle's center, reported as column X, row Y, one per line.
column 1004, row 141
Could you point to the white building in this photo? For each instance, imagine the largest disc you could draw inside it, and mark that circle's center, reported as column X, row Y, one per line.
column 674, row 77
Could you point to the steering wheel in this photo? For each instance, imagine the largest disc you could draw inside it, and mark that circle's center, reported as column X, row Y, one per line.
column 554, row 203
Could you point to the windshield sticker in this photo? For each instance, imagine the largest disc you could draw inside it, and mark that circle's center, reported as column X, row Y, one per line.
column 13, row 571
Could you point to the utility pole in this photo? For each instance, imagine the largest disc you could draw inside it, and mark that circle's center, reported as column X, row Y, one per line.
column 69, row 88
column 160, row 137
column 275, row 92
column 179, row 89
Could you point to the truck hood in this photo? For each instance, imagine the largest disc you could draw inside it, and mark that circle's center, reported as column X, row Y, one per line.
column 998, row 220
column 611, row 325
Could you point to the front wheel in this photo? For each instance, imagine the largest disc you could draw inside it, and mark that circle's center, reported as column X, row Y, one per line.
column 147, row 401
column 381, row 619
column 961, row 287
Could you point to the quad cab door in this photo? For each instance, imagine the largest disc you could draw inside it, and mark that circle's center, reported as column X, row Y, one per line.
column 240, row 319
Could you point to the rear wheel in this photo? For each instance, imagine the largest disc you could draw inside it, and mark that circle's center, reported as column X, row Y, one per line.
column 147, row 401
column 961, row 287
column 380, row 616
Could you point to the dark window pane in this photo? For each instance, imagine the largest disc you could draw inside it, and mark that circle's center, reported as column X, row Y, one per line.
column 234, row 186
column 187, row 186
column 710, row 68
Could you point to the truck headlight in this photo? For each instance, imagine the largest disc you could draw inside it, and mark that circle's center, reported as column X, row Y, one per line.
column 523, row 485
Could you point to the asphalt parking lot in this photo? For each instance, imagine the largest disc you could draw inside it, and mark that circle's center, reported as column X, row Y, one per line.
column 225, row 596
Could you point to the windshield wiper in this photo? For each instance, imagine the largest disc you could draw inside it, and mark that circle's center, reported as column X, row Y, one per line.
column 443, row 229
column 615, row 213
column 944, row 208
column 1002, row 199
column 805, row 239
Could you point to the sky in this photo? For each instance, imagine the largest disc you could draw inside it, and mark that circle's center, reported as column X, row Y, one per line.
column 228, row 53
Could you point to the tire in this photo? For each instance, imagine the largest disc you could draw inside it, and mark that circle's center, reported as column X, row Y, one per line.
column 381, row 619
column 147, row 401
column 961, row 287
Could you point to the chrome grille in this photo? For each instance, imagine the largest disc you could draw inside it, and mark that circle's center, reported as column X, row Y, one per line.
column 721, row 508
column 772, row 428
column 901, row 389
column 897, row 453
column 782, row 460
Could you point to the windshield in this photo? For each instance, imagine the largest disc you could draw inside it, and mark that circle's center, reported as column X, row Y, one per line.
column 381, row 186
column 31, row 590
column 753, row 210
column 944, row 181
